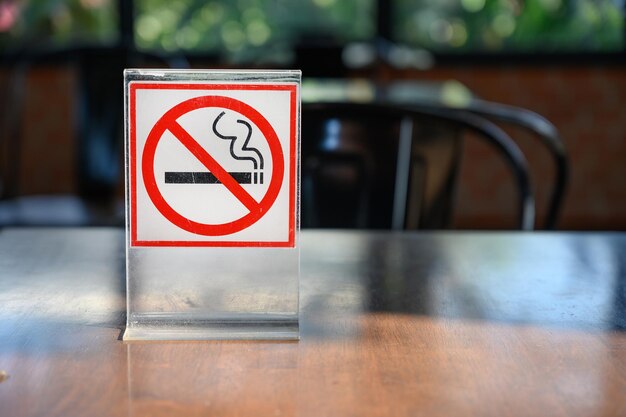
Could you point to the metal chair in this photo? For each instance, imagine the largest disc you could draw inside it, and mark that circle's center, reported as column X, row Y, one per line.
column 392, row 167
column 429, row 96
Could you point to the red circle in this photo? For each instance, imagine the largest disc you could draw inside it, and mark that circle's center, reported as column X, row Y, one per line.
column 170, row 117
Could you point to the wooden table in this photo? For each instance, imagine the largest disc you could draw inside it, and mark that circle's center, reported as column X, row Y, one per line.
column 433, row 324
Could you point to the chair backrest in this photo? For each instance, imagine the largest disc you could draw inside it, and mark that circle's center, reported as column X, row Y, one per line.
column 549, row 137
column 430, row 95
column 391, row 167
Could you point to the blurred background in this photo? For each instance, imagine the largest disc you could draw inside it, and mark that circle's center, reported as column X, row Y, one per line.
column 61, row 84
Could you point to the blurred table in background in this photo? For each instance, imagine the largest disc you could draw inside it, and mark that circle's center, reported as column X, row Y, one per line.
column 402, row 324
column 447, row 93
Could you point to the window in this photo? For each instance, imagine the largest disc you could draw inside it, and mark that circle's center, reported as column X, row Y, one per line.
column 267, row 31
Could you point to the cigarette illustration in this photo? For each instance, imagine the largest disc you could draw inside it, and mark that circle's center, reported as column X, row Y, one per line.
column 247, row 153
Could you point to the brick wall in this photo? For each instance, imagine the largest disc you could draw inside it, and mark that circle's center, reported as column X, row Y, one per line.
column 45, row 159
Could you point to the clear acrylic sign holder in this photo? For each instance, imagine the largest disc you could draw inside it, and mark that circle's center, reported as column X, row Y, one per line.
column 212, row 204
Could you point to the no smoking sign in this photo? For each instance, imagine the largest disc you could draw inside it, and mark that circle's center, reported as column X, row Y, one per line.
column 212, row 163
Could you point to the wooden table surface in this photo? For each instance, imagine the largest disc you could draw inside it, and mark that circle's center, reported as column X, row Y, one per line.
column 432, row 324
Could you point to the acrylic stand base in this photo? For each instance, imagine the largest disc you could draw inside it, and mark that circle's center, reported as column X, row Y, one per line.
column 186, row 327
column 210, row 293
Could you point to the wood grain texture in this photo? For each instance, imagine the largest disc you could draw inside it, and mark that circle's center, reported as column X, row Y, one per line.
column 433, row 324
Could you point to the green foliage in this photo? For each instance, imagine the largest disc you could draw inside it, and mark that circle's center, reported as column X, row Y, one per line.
column 267, row 30
column 249, row 29
column 50, row 23
column 510, row 25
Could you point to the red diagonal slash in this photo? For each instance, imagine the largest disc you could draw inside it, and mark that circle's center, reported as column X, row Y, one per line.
column 213, row 166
